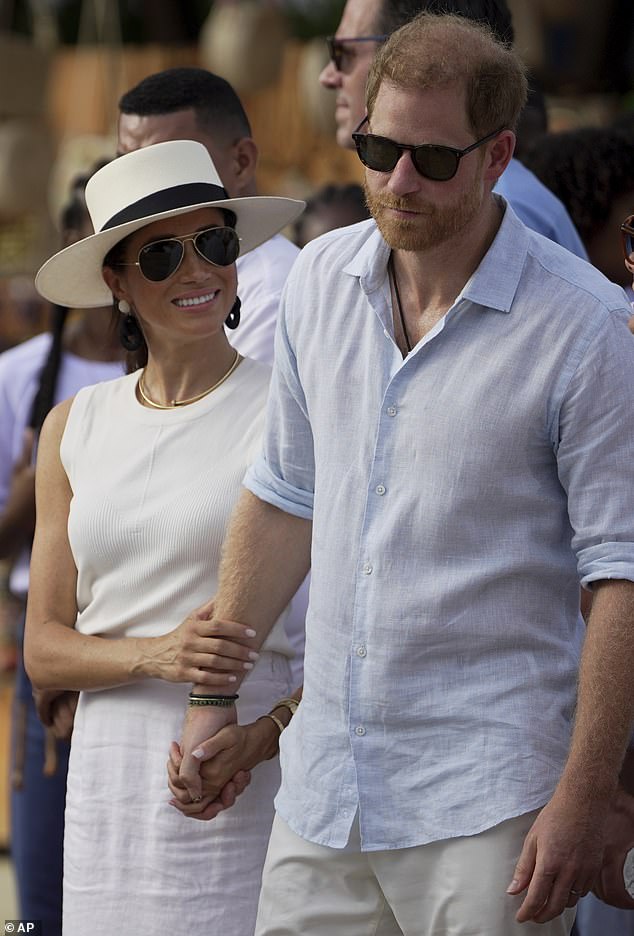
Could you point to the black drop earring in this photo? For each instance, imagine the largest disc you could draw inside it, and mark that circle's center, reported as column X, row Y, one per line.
column 130, row 334
column 233, row 319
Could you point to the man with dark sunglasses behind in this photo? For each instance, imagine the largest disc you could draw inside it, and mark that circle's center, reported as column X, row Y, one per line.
column 449, row 440
column 364, row 25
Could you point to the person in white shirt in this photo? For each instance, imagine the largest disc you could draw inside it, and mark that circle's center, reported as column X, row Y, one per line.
column 195, row 104
column 135, row 480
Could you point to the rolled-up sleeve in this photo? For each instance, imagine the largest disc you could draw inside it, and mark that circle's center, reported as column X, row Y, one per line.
column 284, row 472
column 595, row 454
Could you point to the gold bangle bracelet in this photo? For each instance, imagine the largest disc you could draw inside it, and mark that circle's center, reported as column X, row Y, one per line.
column 276, row 721
column 289, row 703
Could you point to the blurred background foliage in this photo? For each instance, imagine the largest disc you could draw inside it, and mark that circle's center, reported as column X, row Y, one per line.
column 148, row 21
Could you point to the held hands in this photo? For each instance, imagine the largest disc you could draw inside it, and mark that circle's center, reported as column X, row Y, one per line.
column 201, row 723
column 561, row 857
column 224, row 759
column 203, row 651
column 216, row 797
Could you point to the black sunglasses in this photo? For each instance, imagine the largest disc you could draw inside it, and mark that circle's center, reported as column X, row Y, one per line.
column 432, row 160
column 337, row 47
column 627, row 239
column 160, row 259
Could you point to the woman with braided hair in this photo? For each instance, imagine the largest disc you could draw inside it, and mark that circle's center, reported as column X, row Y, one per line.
column 79, row 349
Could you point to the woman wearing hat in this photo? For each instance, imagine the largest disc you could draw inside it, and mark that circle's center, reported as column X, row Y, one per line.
column 136, row 479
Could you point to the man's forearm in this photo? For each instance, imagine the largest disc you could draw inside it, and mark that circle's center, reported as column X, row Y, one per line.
column 605, row 706
column 265, row 559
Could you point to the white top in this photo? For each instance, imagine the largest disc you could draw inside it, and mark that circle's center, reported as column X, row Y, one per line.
column 153, row 491
column 19, row 377
column 261, row 277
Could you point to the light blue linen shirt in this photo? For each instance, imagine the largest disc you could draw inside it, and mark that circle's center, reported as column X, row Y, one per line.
column 458, row 497
column 538, row 207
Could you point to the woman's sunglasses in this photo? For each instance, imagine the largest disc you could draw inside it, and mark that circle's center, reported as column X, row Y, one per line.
column 431, row 160
column 159, row 260
column 627, row 239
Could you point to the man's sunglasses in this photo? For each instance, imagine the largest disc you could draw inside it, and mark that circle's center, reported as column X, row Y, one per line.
column 431, row 160
column 627, row 239
column 337, row 47
column 160, row 259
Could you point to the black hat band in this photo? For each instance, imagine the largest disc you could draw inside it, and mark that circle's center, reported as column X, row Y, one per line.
column 170, row 199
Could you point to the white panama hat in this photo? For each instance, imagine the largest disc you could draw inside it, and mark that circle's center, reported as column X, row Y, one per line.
column 159, row 181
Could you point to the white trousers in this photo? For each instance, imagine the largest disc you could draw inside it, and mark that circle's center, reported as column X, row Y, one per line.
column 456, row 887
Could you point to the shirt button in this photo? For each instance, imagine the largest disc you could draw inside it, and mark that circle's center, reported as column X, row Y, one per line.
column 391, row 411
column 359, row 730
column 380, row 489
column 361, row 651
column 367, row 569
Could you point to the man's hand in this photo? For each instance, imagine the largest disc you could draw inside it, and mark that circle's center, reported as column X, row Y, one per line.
column 561, row 857
column 619, row 837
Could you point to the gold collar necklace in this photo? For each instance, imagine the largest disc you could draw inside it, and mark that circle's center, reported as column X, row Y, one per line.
column 176, row 403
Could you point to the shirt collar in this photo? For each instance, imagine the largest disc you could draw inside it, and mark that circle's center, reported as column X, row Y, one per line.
column 370, row 261
column 494, row 283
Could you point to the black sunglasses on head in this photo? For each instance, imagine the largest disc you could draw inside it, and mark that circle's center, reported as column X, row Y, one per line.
column 627, row 239
column 337, row 47
column 160, row 259
column 431, row 160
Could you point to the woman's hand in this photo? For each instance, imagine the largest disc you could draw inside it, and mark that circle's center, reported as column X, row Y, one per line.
column 56, row 710
column 201, row 650
column 201, row 722
column 234, row 750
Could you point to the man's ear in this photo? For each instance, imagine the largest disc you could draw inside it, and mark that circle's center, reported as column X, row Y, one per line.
column 245, row 156
column 499, row 154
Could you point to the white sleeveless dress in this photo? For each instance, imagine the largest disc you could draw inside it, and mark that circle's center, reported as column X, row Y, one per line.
column 152, row 493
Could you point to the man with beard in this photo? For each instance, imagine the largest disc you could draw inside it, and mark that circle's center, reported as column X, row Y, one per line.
column 449, row 438
column 364, row 25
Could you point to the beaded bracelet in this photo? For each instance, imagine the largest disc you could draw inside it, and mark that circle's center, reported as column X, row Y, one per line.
column 221, row 701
